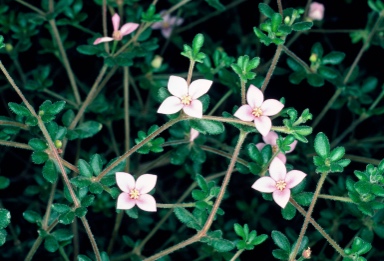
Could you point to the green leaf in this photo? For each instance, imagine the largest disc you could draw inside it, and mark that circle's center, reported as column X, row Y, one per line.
column 5, row 218
column 50, row 171
column 239, row 230
column 88, row 129
column 322, row 146
column 266, row 10
column 288, row 212
column 302, row 26
column 280, row 254
column 4, row 182
column 81, row 212
column 96, row 188
column 327, row 72
column 39, row 157
column 96, row 164
column 32, row 216
column 221, row 245
column 337, row 154
column 259, row 239
column 315, row 80
column 84, row 168
column 83, row 258
column 62, row 234
column 88, row 49
column 1, row 46
column 207, row 126
column 67, row 218
column 60, row 208
column 333, row 58
column 18, row 109
column 37, row 144
column 68, row 118
column 216, row 4
column 81, row 182
column 281, row 240
column 3, row 233
column 276, row 20
column 304, row 198
column 51, row 244
column 187, row 218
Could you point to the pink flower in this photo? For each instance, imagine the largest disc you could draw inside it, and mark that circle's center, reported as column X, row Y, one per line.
column 257, row 110
column 118, row 34
column 280, row 182
column 135, row 193
column 185, row 97
column 193, row 135
column 270, row 139
column 316, row 11
column 168, row 23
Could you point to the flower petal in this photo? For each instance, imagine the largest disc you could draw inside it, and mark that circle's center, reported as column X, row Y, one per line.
column 282, row 157
column 294, row 177
column 146, row 202
column 199, row 87
column 177, row 86
column 260, row 146
column 263, row 124
column 281, row 197
column 293, row 146
column 125, row 181
column 102, row 39
column 166, row 32
column 277, row 170
column 128, row 28
column 125, row 202
column 255, row 97
column 116, row 22
column 193, row 135
column 265, row 184
column 271, row 107
column 170, row 105
column 195, row 109
column 244, row 113
column 157, row 25
column 146, row 183
column 270, row 138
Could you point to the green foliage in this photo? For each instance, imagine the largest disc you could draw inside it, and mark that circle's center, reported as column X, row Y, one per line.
column 327, row 160
column 216, row 4
column 250, row 239
column 193, row 53
column 359, row 247
column 152, row 145
column 2, row 45
column 215, row 240
column 84, row 130
column 243, row 68
column 294, row 127
column 50, row 171
column 208, row 126
column 150, row 16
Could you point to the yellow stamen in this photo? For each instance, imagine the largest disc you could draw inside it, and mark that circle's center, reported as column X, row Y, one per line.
column 117, row 35
column 134, row 194
column 257, row 112
column 280, row 185
column 186, row 100
column 275, row 148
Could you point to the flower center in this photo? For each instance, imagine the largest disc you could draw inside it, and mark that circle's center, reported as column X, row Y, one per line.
column 280, row 185
column 134, row 194
column 117, row 35
column 275, row 148
column 257, row 112
column 166, row 25
column 186, row 100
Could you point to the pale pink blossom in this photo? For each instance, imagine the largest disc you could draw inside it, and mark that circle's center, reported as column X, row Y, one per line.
column 280, row 182
column 193, row 135
column 258, row 110
column 136, row 192
column 271, row 139
column 185, row 97
column 316, row 11
column 117, row 34
column 168, row 23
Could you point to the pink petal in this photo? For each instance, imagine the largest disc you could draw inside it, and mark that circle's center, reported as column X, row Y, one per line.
column 157, row 25
column 198, row 88
column 177, row 86
column 254, row 96
column 294, row 177
column 102, row 39
column 146, row 202
column 271, row 138
column 277, row 170
column 193, row 135
column 128, row 28
column 260, row 146
column 146, row 183
column 125, row 181
column 170, row 105
column 263, row 124
column 281, row 197
column 179, row 21
column 116, row 22
column 271, row 107
column 293, row 146
column 265, row 184
column 244, row 113
column 282, row 157
column 195, row 109
column 166, row 32
column 125, row 202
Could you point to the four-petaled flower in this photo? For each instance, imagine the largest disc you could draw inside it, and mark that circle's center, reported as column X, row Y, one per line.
column 258, row 110
column 185, row 97
column 118, row 34
column 316, row 11
column 168, row 23
column 270, row 139
column 280, row 182
column 135, row 192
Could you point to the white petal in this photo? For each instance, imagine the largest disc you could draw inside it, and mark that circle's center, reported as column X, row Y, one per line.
column 277, row 170
column 264, row 184
column 146, row 202
column 255, row 97
column 128, row 28
column 146, row 183
column 244, row 113
column 281, row 197
column 125, row 181
column 263, row 124
column 124, row 201
column 116, row 22
column 177, row 86
column 294, row 177
column 170, row 105
column 271, row 138
column 102, row 40
column 271, row 107
column 195, row 109
column 199, row 87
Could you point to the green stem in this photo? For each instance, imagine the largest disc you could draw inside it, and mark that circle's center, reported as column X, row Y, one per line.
column 190, row 71
column 127, row 127
column 332, row 242
column 14, row 124
column 91, row 238
column 336, row 198
column 15, row 144
column 181, row 205
column 364, row 160
column 272, row 67
column 221, row 101
column 58, row 96
column 308, row 216
column 37, row 10
column 49, row 206
column 238, row 253
column 243, row 95
column 297, row 59
column 223, row 154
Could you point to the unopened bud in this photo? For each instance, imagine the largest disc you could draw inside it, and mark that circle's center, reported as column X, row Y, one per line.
column 41, row 113
column 157, row 61
column 307, row 253
column 313, row 58
column 287, row 19
column 58, row 144
column 8, row 47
